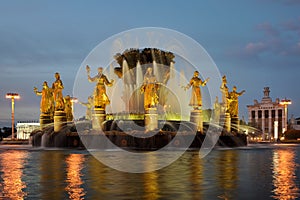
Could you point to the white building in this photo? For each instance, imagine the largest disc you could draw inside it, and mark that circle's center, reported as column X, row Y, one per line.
column 25, row 128
column 262, row 115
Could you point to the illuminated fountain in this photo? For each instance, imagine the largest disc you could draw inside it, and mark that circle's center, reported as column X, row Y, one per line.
column 145, row 75
column 155, row 112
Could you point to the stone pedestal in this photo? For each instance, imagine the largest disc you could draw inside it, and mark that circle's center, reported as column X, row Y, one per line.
column 235, row 123
column 60, row 120
column 225, row 122
column 151, row 119
column 98, row 117
column 45, row 119
column 196, row 117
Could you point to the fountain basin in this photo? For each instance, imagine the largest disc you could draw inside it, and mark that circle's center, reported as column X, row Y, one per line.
column 113, row 137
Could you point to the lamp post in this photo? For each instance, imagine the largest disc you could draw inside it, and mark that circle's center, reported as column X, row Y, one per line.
column 285, row 102
column 12, row 96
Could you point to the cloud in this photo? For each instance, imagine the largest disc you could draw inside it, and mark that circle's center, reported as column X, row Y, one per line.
column 254, row 48
column 268, row 29
column 275, row 40
column 19, row 49
column 294, row 50
column 292, row 25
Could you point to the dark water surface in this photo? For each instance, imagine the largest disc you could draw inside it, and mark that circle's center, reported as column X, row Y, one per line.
column 254, row 172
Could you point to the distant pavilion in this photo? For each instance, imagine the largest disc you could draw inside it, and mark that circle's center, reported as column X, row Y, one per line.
column 262, row 115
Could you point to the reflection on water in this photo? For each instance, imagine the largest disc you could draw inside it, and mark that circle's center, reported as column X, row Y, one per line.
column 196, row 176
column 227, row 173
column 52, row 172
column 284, row 175
column 246, row 173
column 11, row 166
column 150, row 181
column 74, row 166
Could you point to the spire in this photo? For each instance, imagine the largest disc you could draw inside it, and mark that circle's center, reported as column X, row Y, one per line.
column 266, row 98
column 266, row 92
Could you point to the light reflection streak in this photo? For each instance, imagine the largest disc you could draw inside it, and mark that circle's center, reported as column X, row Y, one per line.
column 227, row 177
column 151, row 186
column 228, row 170
column 197, row 176
column 74, row 166
column 11, row 165
column 284, row 177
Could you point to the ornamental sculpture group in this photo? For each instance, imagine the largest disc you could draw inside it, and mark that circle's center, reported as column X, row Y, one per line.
column 54, row 107
column 229, row 106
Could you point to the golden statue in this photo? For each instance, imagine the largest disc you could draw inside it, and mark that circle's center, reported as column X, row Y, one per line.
column 47, row 104
column 150, row 88
column 100, row 97
column 195, row 83
column 217, row 109
column 89, row 106
column 57, row 88
column 233, row 102
column 68, row 108
column 225, row 94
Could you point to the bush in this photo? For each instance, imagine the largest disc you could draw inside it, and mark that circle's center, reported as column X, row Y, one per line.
column 292, row 134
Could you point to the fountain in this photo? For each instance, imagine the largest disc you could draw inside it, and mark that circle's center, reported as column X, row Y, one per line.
column 153, row 115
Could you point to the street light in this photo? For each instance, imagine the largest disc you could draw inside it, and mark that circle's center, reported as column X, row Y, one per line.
column 285, row 102
column 12, row 96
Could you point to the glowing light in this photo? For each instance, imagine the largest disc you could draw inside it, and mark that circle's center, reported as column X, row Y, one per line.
column 275, row 129
column 74, row 100
column 12, row 96
column 285, row 102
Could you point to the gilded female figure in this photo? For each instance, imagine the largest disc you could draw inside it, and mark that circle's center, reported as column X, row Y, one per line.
column 57, row 88
column 100, row 97
column 149, row 88
column 225, row 94
column 46, row 105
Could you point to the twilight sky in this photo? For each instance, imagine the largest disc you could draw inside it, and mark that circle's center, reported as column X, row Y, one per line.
column 255, row 43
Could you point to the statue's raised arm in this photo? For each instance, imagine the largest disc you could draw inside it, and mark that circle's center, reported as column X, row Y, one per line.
column 206, row 80
column 88, row 71
column 36, row 91
column 242, row 92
